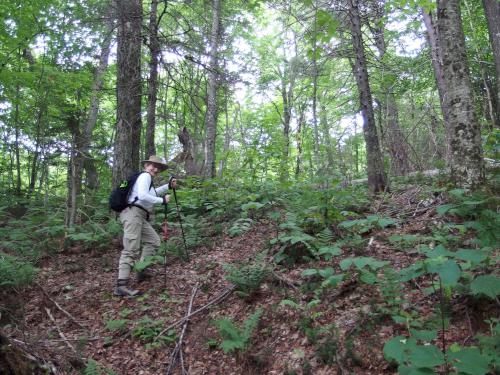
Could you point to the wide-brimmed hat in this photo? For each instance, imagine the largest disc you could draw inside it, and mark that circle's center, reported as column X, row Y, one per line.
column 160, row 162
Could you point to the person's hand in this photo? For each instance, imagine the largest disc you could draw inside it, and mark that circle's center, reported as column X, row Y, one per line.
column 166, row 199
column 173, row 183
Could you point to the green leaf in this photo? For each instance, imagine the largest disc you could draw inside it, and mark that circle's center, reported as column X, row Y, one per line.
column 309, row 272
column 439, row 251
column 251, row 206
column 368, row 278
column 488, row 285
column 423, row 334
column 426, row 356
column 326, row 272
column 443, row 209
column 470, row 361
column 330, row 251
column 411, row 272
column 385, row 222
column 448, row 271
column 333, row 281
column 394, row 349
column 473, row 256
column 361, row 262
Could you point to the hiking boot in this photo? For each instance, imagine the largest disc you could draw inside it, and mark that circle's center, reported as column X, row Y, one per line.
column 122, row 290
column 144, row 275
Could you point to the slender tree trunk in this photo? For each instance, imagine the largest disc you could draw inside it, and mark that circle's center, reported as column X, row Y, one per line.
column 492, row 11
column 327, row 140
column 377, row 179
column 154, row 49
column 286, row 95
column 80, row 158
column 227, row 137
column 436, row 59
column 16, row 142
column 489, row 104
column 298, row 164
column 396, row 141
column 128, row 90
column 392, row 134
column 213, row 76
column 467, row 167
column 315, row 89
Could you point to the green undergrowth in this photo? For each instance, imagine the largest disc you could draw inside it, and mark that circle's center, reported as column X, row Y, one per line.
column 324, row 232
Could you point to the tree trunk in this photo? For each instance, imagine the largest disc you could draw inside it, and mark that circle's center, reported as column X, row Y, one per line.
column 300, row 123
column 213, row 76
column 396, row 142
column 377, row 179
column 436, row 59
column 128, row 89
column 16, row 142
column 315, row 90
column 492, row 11
column 394, row 137
column 188, row 156
column 80, row 158
column 467, row 166
column 154, row 49
column 227, row 137
column 287, row 97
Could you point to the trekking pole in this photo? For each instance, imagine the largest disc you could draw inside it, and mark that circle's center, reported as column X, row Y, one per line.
column 180, row 222
column 164, row 228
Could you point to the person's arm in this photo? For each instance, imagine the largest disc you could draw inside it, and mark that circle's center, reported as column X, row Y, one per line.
column 171, row 185
column 143, row 190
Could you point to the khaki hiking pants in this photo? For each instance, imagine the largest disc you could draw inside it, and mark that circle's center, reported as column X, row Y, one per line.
column 136, row 231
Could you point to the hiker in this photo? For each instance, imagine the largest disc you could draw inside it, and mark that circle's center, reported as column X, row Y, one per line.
column 137, row 229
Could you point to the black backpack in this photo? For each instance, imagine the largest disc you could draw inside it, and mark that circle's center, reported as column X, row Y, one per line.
column 118, row 200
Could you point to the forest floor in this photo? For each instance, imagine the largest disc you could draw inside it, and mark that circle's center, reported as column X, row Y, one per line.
column 71, row 315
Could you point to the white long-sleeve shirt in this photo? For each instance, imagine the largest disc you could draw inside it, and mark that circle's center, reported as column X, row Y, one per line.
column 146, row 197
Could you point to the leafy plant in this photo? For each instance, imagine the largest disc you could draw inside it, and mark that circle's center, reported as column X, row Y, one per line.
column 240, row 226
column 15, row 272
column 367, row 224
column 248, row 276
column 117, row 325
column 148, row 329
column 327, row 275
column 95, row 368
column 413, row 358
column 366, row 265
column 237, row 338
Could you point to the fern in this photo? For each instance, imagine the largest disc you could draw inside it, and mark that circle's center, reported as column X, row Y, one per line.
column 236, row 338
column 240, row 226
column 15, row 272
column 95, row 368
column 248, row 276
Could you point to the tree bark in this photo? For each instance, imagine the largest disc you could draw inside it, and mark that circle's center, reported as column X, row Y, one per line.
column 154, row 50
column 213, row 77
column 492, row 11
column 377, row 179
column 436, row 59
column 467, row 166
column 128, row 89
column 394, row 137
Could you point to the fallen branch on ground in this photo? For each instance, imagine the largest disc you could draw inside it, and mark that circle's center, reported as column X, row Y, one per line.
column 216, row 300
column 61, row 334
column 60, row 308
column 177, row 353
